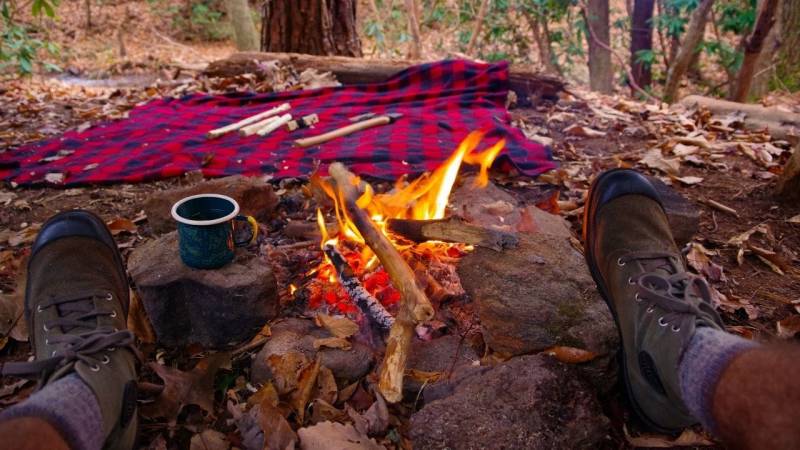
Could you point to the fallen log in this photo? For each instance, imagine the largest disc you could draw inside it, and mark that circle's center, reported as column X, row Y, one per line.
column 781, row 124
column 529, row 85
column 414, row 304
column 452, row 229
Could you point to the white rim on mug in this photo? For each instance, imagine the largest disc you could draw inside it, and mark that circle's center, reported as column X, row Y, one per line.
column 182, row 219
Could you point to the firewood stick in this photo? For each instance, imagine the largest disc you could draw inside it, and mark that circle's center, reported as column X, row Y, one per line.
column 414, row 304
column 254, row 128
column 452, row 229
column 274, row 125
column 244, row 122
column 368, row 304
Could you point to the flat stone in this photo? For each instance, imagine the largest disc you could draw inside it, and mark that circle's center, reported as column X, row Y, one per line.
column 446, row 355
column 683, row 215
column 536, row 296
column 298, row 335
column 255, row 197
column 529, row 402
column 208, row 307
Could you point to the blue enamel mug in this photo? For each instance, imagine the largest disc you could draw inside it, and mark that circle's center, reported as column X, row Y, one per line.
column 205, row 230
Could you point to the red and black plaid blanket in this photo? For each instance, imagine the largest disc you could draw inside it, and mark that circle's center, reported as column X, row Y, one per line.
column 440, row 102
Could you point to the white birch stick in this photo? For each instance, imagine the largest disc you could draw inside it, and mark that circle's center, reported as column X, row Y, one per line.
column 244, row 122
column 275, row 124
column 252, row 129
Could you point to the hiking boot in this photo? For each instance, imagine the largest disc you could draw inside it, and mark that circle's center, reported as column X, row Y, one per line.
column 656, row 303
column 76, row 305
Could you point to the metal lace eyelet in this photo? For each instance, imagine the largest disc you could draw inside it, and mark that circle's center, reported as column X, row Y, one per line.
column 46, row 341
column 116, row 329
column 676, row 329
column 630, row 280
column 105, row 359
column 94, row 368
column 110, row 349
column 637, row 298
column 109, row 297
column 44, row 327
column 39, row 309
column 113, row 314
column 620, row 262
column 53, row 354
column 661, row 322
column 650, row 309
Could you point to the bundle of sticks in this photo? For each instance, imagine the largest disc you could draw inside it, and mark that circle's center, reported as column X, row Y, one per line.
column 265, row 123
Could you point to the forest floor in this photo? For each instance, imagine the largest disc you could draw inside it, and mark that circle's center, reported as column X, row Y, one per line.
column 757, row 276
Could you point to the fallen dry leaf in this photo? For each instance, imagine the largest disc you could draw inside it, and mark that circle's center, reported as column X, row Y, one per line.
column 121, row 225
column 322, row 411
column 195, row 387
column 138, row 322
column 789, row 327
column 278, row 434
column 422, row 376
column 339, row 326
column 655, row 160
column 570, row 355
column 685, row 150
column 286, row 370
column 7, row 197
column 267, row 394
column 583, row 131
column 689, row 438
column 699, row 259
column 326, row 388
column 25, row 236
column 375, row 420
column 305, row 387
column 330, row 435
column 332, row 342
column 209, row 440
column 795, row 219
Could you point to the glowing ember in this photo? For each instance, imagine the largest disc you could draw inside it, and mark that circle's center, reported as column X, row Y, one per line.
column 424, row 198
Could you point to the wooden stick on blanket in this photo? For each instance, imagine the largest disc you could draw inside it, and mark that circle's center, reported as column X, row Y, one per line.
column 414, row 304
column 274, row 125
column 368, row 304
column 250, row 120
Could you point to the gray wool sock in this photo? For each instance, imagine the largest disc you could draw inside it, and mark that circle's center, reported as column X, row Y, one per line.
column 708, row 354
column 70, row 406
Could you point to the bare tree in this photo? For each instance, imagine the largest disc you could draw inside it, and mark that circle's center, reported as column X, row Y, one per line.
column 601, row 71
column 753, row 45
column 691, row 39
column 244, row 30
column 788, row 63
column 541, row 35
column 314, row 27
column 641, row 40
column 415, row 52
column 478, row 25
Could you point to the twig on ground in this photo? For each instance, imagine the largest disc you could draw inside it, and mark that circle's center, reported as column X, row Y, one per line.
column 719, row 206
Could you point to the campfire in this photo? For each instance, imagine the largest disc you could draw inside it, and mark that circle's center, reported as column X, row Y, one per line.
column 388, row 254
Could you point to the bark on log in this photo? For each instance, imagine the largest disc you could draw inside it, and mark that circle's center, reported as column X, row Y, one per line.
column 694, row 33
column 316, row 27
column 781, row 124
column 529, row 85
column 414, row 304
column 753, row 45
column 453, row 229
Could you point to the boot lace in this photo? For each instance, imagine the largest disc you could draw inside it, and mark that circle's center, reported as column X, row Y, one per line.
column 685, row 297
column 75, row 312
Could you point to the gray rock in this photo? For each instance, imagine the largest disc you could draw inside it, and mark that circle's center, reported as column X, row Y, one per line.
column 529, row 402
column 208, row 307
column 447, row 355
column 536, row 296
column 255, row 197
column 298, row 335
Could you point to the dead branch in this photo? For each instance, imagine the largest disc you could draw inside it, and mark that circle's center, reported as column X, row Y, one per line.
column 781, row 124
column 414, row 304
column 719, row 206
column 413, row 29
column 453, row 229
column 478, row 25
column 369, row 305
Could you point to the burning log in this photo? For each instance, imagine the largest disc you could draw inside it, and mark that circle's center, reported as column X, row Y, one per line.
column 452, row 229
column 414, row 304
column 369, row 305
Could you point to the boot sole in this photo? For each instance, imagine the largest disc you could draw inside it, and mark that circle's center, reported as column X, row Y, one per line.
column 588, row 236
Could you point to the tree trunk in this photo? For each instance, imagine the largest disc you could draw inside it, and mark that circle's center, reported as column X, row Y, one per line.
column 752, row 50
column 542, row 38
column 601, row 71
column 765, row 67
column 788, row 67
column 478, row 25
column 314, row 27
column 692, row 37
column 641, row 40
column 88, row 4
column 413, row 29
column 244, row 31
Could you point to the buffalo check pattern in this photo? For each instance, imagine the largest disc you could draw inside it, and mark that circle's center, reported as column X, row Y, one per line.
column 440, row 102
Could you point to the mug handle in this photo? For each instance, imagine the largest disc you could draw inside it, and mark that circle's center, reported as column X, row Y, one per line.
column 254, row 227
